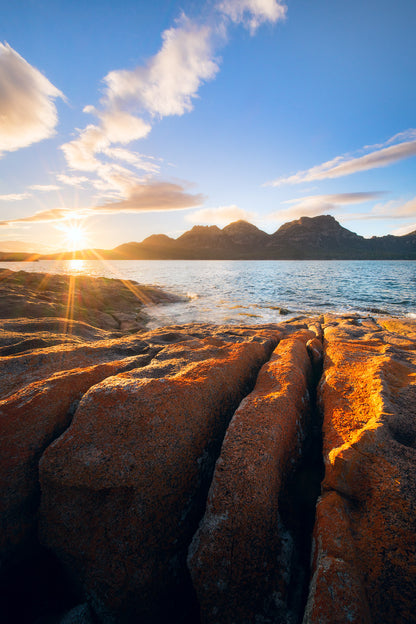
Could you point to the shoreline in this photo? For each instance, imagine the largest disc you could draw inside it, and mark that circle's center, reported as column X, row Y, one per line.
column 231, row 456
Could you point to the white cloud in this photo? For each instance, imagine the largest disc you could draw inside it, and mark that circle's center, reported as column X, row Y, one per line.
column 28, row 112
column 220, row 216
column 121, row 127
column 253, row 13
column 343, row 166
column 406, row 229
column 72, row 180
column 44, row 187
column 393, row 210
column 166, row 85
column 139, row 161
column 315, row 205
column 14, row 196
column 171, row 79
column 80, row 153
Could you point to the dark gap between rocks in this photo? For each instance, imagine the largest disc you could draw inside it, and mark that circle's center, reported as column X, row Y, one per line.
column 187, row 609
column 297, row 504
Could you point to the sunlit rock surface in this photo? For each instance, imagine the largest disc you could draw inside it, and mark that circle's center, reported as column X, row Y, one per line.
column 109, row 440
column 123, row 488
column 240, row 557
column 364, row 567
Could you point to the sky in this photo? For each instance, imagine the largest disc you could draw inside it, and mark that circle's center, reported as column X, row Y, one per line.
column 121, row 120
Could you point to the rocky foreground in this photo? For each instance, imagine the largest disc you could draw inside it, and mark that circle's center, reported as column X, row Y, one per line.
column 203, row 473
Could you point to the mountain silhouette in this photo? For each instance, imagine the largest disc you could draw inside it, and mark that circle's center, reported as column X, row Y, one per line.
column 307, row 238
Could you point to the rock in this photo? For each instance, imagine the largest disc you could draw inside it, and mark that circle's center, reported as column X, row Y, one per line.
column 124, row 488
column 96, row 301
column 365, row 533
column 30, row 419
column 239, row 559
column 78, row 615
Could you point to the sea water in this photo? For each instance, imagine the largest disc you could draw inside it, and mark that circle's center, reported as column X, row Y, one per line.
column 258, row 291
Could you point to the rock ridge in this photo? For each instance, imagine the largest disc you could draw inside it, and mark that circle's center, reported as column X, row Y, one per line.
column 163, row 475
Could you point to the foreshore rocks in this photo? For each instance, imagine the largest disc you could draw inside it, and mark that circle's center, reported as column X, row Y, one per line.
column 173, row 475
column 240, row 557
column 109, row 304
column 124, row 488
column 365, row 529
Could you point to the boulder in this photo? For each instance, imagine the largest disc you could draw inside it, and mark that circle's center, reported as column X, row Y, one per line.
column 240, row 557
column 124, row 487
column 364, row 564
column 30, row 419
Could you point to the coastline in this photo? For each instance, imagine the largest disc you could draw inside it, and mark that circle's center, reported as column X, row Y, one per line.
column 205, row 463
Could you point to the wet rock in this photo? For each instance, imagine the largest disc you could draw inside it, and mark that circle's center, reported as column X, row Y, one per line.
column 123, row 489
column 365, row 533
column 240, row 557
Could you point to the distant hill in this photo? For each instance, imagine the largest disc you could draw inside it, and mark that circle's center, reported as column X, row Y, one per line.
column 307, row 238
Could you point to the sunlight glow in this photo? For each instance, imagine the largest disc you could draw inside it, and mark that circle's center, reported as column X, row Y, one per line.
column 76, row 236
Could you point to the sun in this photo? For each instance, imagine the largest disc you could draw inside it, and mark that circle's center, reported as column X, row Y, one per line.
column 76, row 237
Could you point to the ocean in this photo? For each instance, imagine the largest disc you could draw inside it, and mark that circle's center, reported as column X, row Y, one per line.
column 258, row 291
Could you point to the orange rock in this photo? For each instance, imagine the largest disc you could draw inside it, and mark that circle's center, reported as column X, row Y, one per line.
column 368, row 398
column 124, row 487
column 30, row 419
column 239, row 558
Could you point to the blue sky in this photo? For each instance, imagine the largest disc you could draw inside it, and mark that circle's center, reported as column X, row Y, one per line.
column 140, row 117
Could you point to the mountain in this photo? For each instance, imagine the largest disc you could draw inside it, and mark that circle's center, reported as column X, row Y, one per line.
column 307, row 238
column 319, row 237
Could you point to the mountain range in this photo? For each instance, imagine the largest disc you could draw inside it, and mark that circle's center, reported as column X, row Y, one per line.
column 308, row 238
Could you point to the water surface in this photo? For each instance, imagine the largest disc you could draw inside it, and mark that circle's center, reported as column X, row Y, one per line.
column 242, row 291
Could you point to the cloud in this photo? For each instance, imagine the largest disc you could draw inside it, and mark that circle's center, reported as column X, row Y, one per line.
column 45, row 216
column 343, row 166
column 253, row 13
column 315, row 205
column 406, row 229
column 14, row 196
column 170, row 80
column 44, row 187
column 153, row 197
column 393, row 209
column 146, row 197
column 167, row 84
column 220, row 216
column 71, row 180
column 28, row 112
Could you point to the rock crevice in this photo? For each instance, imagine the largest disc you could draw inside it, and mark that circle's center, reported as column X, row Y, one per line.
column 178, row 473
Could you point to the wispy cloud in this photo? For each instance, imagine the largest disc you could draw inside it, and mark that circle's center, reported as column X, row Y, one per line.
column 253, row 13
column 220, row 216
column 315, row 205
column 167, row 84
column 146, row 197
column 14, row 197
column 170, row 80
column 153, row 197
column 28, row 112
column 45, row 188
column 394, row 209
column 381, row 156
column 406, row 229
column 72, row 180
column 44, row 216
